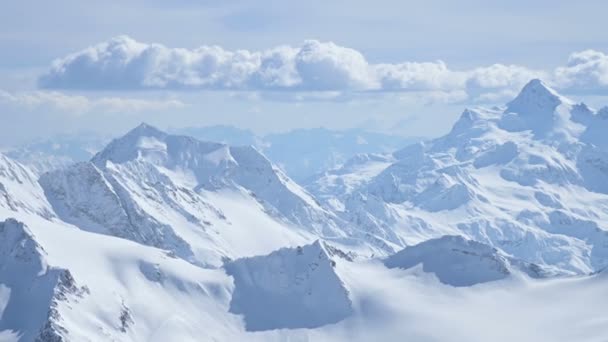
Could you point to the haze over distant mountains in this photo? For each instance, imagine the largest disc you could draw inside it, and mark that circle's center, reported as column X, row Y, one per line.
column 301, row 153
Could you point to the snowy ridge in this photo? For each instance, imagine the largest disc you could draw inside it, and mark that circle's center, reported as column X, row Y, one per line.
column 460, row 262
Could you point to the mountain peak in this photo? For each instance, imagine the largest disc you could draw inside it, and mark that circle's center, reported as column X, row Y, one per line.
column 145, row 129
column 128, row 146
column 537, row 86
column 535, row 98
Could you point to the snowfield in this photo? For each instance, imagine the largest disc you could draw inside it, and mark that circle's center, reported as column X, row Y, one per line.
column 495, row 232
column 124, row 291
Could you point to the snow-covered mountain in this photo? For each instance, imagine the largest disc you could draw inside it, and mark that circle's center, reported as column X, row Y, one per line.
column 528, row 179
column 460, row 262
column 303, row 153
column 300, row 153
column 165, row 237
column 197, row 199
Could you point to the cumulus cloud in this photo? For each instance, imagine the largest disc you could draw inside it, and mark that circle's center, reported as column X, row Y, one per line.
column 81, row 104
column 123, row 63
column 499, row 82
column 586, row 71
column 432, row 76
column 327, row 66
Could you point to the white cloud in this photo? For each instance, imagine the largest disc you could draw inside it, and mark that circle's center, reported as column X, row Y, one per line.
column 123, row 63
column 327, row 66
column 586, row 71
column 432, row 76
column 500, row 76
column 499, row 82
column 78, row 104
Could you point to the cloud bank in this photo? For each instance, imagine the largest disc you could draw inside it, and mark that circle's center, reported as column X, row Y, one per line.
column 586, row 71
column 125, row 64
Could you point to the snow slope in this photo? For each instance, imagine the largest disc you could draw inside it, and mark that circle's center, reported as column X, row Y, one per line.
column 77, row 286
column 34, row 288
column 528, row 179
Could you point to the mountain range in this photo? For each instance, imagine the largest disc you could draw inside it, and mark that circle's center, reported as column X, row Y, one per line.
column 161, row 236
column 301, row 153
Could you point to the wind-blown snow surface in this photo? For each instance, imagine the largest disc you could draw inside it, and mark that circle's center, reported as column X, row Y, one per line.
column 163, row 237
column 529, row 179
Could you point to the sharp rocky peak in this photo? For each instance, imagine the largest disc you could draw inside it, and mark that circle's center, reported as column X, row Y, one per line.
column 145, row 129
column 536, row 98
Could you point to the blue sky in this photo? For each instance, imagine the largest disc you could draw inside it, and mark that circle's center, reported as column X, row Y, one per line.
column 407, row 67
